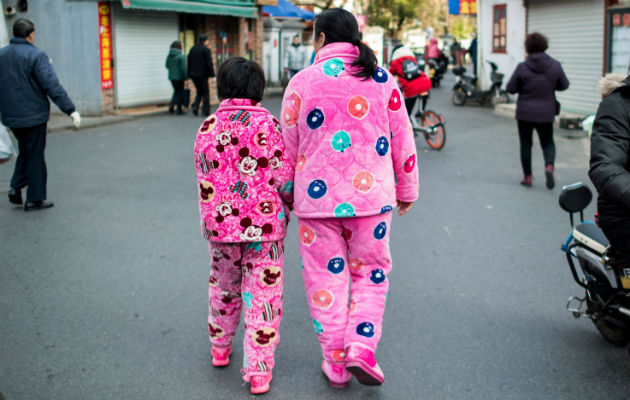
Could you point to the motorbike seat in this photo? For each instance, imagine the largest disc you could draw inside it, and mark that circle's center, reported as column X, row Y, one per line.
column 590, row 235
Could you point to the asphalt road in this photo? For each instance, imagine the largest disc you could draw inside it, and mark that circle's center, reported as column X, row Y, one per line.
column 105, row 295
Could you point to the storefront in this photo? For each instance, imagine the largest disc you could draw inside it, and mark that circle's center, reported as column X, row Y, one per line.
column 575, row 29
column 618, row 36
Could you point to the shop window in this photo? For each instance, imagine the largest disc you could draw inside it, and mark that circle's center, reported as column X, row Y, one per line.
column 499, row 28
column 619, row 41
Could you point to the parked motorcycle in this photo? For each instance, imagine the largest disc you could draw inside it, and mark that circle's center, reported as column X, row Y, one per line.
column 606, row 282
column 466, row 88
column 437, row 69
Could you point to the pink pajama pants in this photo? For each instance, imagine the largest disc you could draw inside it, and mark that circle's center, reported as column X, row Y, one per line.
column 250, row 274
column 336, row 252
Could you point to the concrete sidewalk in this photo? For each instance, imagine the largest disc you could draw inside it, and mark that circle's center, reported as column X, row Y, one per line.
column 62, row 122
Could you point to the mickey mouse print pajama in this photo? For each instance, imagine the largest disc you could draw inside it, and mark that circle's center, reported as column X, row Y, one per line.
column 249, row 274
column 335, row 252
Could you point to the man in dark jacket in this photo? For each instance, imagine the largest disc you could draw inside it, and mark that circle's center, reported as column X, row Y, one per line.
column 536, row 80
column 610, row 165
column 27, row 79
column 199, row 70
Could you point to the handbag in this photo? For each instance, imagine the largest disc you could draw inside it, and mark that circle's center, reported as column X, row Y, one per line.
column 186, row 98
column 6, row 145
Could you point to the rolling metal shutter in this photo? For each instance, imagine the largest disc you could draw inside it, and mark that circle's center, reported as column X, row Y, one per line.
column 575, row 30
column 141, row 43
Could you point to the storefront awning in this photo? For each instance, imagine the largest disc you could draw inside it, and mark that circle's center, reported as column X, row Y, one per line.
column 286, row 9
column 234, row 8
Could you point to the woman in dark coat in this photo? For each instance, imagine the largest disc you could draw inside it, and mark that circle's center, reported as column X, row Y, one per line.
column 610, row 164
column 176, row 65
column 536, row 80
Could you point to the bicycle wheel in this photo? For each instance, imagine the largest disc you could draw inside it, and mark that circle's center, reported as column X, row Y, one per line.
column 435, row 131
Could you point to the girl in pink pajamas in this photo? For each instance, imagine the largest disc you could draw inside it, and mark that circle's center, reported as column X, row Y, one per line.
column 243, row 177
column 346, row 130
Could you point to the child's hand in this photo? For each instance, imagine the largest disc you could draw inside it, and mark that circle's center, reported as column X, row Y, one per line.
column 403, row 207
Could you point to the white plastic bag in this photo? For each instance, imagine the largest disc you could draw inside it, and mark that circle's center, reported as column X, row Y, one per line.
column 587, row 124
column 6, row 145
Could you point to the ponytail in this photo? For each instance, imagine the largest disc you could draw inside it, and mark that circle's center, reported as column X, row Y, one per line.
column 340, row 25
column 366, row 62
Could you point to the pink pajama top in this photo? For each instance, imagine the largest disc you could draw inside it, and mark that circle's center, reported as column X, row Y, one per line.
column 243, row 174
column 350, row 140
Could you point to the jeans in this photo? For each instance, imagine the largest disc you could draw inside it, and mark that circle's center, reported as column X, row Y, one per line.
column 178, row 96
column 545, row 134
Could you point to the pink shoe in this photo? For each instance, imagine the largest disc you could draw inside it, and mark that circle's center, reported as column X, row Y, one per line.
column 259, row 384
column 336, row 374
column 221, row 356
column 527, row 181
column 361, row 363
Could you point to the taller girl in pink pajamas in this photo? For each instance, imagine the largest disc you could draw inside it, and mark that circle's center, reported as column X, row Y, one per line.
column 243, row 175
column 346, row 130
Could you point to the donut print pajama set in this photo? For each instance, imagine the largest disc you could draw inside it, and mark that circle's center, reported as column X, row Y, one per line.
column 243, row 178
column 347, row 138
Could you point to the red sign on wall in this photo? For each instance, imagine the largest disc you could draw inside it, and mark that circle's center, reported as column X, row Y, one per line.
column 626, row 20
column 468, row 7
column 105, row 44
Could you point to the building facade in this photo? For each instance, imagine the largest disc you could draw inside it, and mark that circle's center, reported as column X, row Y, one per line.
column 110, row 55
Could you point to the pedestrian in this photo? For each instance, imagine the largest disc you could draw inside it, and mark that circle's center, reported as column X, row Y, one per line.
column 243, row 178
column 472, row 50
column 536, row 80
column 200, row 68
column 610, row 165
column 27, row 79
column 295, row 57
column 412, row 80
column 176, row 66
column 347, row 133
column 456, row 49
column 432, row 51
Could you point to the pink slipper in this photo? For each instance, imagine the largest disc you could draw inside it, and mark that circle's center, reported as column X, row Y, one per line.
column 361, row 363
column 221, row 356
column 259, row 384
column 336, row 374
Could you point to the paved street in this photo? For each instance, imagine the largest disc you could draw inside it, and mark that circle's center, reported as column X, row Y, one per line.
column 105, row 295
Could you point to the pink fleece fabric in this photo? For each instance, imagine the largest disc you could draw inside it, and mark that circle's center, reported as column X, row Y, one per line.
column 347, row 137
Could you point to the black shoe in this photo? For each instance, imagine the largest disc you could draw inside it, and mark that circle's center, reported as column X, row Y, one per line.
column 171, row 110
column 37, row 205
column 195, row 111
column 180, row 112
column 15, row 196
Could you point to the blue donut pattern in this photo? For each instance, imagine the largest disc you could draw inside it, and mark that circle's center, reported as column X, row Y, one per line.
column 333, row 67
column 365, row 329
column 341, row 141
column 315, row 118
column 344, row 210
column 336, row 265
column 382, row 146
column 380, row 231
column 319, row 329
column 317, row 189
column 380, row 75
column 377, row 276
column 385, row 209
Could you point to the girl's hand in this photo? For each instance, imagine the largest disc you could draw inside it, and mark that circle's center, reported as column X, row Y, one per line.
column 403, row 207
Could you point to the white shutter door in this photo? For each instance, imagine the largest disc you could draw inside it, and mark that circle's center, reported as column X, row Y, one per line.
column 142, row 40
column 575, row 30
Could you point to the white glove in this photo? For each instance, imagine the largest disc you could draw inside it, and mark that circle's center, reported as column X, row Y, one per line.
column 76, row 119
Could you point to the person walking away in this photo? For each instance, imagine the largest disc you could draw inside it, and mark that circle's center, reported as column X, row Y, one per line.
column 456, row 49
column 243, row 178
column 346, row 151
column 472, row 50
column 432, row 51
column 200, row 68
column 536, row 80
column 295, row 57
column 27, row 79
column 176, row 66
column 610, row 165
column 412, row 81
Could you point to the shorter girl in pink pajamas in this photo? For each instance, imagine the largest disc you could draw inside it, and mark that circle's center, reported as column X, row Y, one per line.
column 347, row 132
column 243, row 177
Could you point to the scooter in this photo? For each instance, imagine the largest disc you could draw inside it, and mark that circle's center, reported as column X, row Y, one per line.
column 465, row 88
column 606, row 282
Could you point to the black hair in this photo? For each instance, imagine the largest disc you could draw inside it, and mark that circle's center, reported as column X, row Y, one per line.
column 176, row 45
column 239, row 78
column 536, row 43
column 202, row 38
column 339, row 25
column 23, row 28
